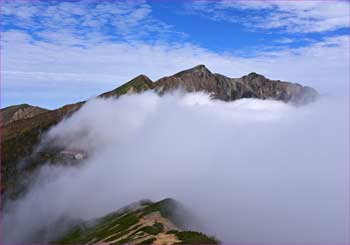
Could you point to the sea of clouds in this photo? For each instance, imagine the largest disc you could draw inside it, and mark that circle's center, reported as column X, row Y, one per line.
column 250, row 171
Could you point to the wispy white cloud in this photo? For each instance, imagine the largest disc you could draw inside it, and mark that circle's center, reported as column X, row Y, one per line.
column 95, row 68
column 128, row 20
column 290, row 16
column 63, row 51
column 285, row 40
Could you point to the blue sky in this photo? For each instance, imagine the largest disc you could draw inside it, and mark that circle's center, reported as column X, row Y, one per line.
column 58, row 52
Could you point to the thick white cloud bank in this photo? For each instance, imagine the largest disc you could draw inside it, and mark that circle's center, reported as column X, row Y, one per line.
column 251, row 171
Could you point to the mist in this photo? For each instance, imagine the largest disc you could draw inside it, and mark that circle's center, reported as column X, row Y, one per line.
column 250, row 171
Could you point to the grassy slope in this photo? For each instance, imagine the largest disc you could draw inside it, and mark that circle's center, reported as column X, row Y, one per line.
column 130, row 227
column 137, row 85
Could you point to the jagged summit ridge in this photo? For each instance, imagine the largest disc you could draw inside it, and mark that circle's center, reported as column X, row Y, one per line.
column 200, row 78
column 197, row 69
column 253, row 75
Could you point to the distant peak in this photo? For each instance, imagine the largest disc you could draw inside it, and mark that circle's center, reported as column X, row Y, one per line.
column 142, row 77
column 201, row 66
column 135, row 85
column 253, row 75
column 197, row 69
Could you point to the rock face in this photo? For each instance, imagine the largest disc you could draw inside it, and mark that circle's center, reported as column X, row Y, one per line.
column 199, row 78
column 20, row 136
column 221, row 87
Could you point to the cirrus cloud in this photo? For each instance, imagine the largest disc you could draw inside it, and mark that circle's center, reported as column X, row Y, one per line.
column 290, row 16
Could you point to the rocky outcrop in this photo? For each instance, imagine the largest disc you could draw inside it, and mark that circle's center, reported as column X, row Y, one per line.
column 18, row 112
column 224, row 88
column 199, row 78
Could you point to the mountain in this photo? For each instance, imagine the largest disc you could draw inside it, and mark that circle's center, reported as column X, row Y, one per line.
column 18, row 112
column 199, row 78
column 137, row 85
column 140, row 223
column 146, row 222
column 18, row 140
column 23, row 125
column 224, row 88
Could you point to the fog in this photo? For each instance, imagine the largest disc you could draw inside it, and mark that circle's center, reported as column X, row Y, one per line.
column 250, row 171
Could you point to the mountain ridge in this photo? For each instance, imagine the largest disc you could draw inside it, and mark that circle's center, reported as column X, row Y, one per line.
column 200, row 78
column 145, row 222
column 18, row 112
column 19, row 137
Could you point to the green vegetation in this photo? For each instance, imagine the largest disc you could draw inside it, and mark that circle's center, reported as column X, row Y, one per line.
column 138, row 84
column 148, row 241
column 112, row 226
column 154, row 229
column 193, row 237
column 125, row 227
column 165, row 207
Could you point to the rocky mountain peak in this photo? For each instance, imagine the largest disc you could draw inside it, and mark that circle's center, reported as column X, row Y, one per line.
column 142, row 78
column 198, row 78
column 252, row 76
column 199, row 70
column 136, row 85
